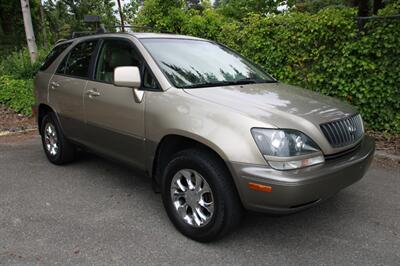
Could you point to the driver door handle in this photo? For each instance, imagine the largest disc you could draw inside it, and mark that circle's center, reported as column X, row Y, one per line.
column 93, row 93
column 54, row 85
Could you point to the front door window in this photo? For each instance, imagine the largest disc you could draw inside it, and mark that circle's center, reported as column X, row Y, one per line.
column 114, row 53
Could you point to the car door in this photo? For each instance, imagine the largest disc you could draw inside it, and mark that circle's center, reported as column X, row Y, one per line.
column 67, row 86
column 115, row 120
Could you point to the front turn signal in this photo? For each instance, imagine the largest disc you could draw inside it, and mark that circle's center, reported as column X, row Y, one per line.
column 259, row 187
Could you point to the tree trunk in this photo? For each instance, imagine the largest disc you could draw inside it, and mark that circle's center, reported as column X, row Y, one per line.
column 122, row 16
column 377, row 5
column 354, row 3
column 43, row 22
column 30, row 35
column 363, row 10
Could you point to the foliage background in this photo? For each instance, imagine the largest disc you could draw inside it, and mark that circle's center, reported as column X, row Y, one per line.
column 16, row 80
column 314, row 44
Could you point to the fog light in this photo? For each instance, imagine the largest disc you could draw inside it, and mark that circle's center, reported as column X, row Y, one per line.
column 289, row 165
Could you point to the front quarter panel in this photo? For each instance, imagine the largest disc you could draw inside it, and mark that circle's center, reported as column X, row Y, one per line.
column 224, row 130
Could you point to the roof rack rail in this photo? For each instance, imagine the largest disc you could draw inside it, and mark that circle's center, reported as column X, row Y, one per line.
column 101, row 30
column 61, row 40
column 134, row 26
column 140, row 27
column 77, row 34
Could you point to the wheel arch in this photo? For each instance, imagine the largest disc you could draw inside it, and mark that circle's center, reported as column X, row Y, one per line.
column 173, row 143
column 43, row 110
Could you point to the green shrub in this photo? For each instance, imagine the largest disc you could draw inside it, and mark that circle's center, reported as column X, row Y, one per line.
column 17, row 64
column 16, row 80
column 17, row 94
column 326, row 52
column 206, row 25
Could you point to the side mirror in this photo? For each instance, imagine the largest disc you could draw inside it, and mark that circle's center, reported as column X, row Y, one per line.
column 127, row 76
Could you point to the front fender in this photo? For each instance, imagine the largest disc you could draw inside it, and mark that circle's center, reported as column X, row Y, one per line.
column 224, row 130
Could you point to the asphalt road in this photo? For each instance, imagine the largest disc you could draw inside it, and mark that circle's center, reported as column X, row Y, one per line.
column 96, row 212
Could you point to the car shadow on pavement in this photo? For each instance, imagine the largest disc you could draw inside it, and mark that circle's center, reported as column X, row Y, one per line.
column 118, row 171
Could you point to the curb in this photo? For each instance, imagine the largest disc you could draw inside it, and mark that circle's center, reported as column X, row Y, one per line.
column 385, row 155
column 8, row 133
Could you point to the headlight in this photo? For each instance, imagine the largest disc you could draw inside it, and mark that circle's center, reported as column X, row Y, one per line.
column 286, row 149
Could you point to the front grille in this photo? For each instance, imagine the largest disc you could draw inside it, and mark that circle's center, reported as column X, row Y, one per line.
column 341, row 133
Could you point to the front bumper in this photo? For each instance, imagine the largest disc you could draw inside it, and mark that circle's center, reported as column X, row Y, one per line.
column 294, row 190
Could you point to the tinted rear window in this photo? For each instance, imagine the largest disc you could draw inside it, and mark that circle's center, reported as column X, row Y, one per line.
column 78, row 61
column 53, row 55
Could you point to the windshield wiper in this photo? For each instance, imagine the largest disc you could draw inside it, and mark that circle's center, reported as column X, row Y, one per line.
column 251, row 81
column 227, row 83
column 209, row 84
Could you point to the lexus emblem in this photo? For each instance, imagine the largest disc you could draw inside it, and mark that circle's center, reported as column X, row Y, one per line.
column 352, row 129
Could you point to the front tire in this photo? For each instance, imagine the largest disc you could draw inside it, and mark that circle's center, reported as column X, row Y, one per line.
column 199, row 196
column 56, row 146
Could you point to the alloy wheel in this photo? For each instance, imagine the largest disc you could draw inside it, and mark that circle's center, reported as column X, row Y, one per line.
column 192, row 198
column 51, row 139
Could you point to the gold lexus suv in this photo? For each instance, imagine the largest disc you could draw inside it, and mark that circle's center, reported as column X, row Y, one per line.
column 214, row 132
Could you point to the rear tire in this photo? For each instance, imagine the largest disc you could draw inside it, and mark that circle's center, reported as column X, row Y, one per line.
column 211, row 212
column 58, row 149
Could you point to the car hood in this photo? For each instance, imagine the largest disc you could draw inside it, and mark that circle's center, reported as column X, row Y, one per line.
column 281, row 105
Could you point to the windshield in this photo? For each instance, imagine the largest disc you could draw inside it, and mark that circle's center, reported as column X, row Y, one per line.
column 197, row 63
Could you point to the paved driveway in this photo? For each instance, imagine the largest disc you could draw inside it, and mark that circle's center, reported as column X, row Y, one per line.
column 97, row 212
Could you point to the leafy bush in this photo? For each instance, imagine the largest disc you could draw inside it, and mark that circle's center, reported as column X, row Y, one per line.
column 327, row 53
column 204, row 25
column 16, row 84
column 17, row 94
column 17, row 64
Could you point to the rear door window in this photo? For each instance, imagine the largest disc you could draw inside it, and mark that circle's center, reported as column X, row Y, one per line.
column 53, row 55
column 78, row 61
